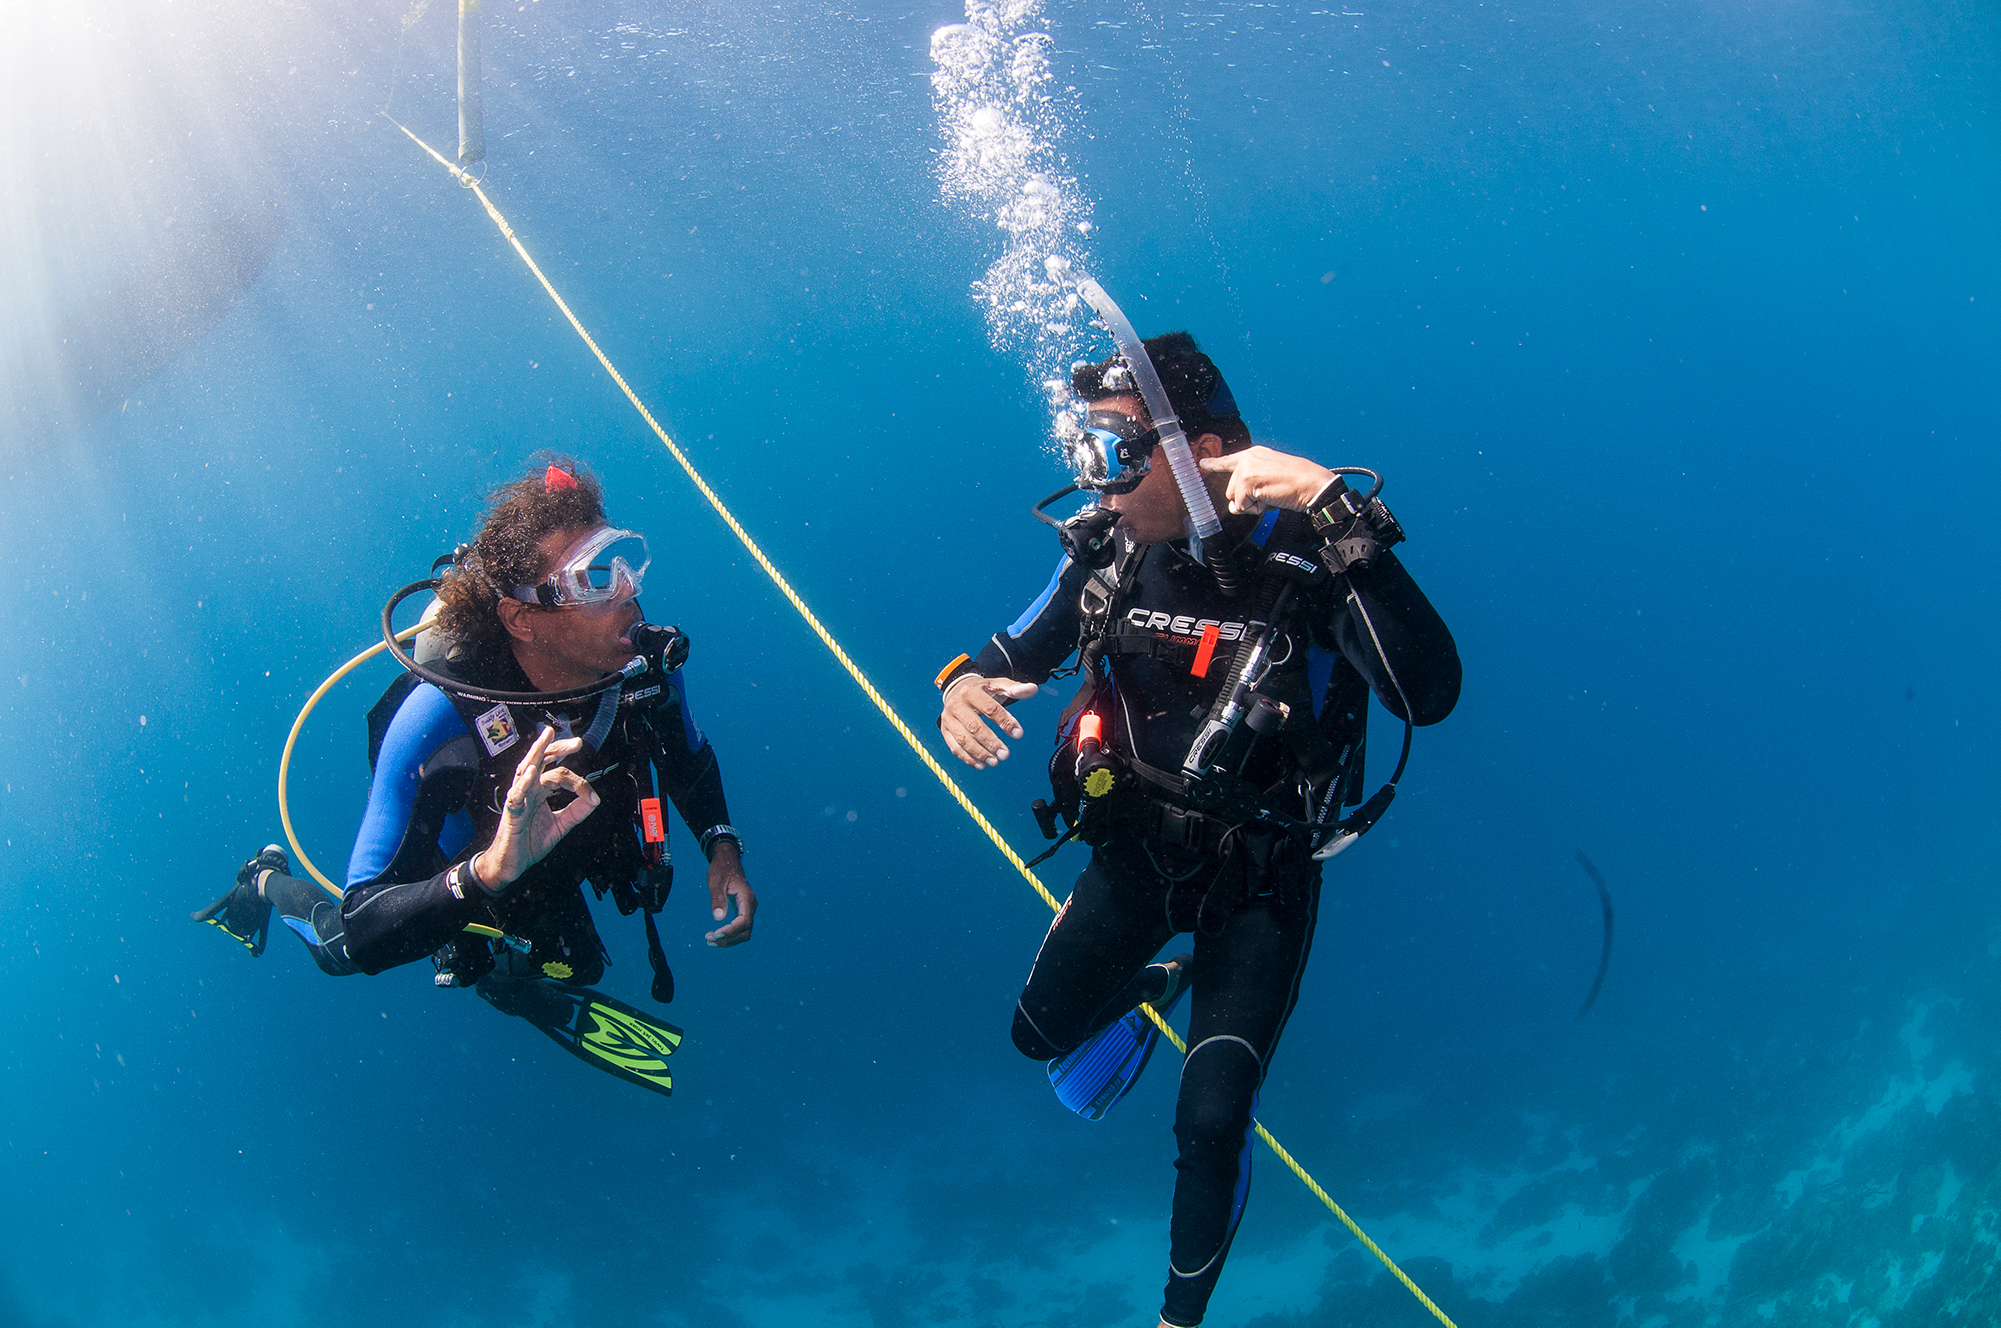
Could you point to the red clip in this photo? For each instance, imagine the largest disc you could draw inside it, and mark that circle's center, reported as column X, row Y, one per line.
column 1205, row 651
column 650, row 821
column 556, row 478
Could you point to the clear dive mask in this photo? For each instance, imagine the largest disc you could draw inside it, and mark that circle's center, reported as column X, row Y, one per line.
column 604, row 567
column 1112, row 452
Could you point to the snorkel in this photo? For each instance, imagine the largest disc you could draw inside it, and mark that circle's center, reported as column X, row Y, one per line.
column 1203, row 522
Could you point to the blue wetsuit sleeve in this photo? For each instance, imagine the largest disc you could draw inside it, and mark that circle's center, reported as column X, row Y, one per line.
column 424, row 722
column 1035, row 645
column 691, row 732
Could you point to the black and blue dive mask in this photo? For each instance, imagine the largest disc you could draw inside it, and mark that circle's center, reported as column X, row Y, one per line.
column 1113, row 453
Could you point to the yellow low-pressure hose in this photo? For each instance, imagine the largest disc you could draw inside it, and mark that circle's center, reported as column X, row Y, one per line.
column 285, row 761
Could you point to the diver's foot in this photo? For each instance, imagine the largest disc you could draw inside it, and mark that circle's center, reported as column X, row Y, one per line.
column 244, row 913
column 270, row 858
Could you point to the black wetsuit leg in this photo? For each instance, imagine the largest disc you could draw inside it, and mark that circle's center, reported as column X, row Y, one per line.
column 1247, row 981
column 314, row 915
column 1091, row 970
column 1092, row 965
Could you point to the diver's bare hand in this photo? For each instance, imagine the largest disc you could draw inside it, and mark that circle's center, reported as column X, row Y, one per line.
column 1261, row 478
column 966, row 702
column 528, row 828
column 726, row 882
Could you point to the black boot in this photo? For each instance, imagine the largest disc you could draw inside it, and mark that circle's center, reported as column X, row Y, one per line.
column 244, row 913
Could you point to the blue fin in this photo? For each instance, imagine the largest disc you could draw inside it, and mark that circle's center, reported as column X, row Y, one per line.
column 1091, row 1080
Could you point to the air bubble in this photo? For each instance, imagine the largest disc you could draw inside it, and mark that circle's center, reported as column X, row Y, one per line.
column 1002, row 122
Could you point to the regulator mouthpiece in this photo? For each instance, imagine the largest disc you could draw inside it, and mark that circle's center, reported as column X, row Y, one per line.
column 1086, row 536
column 666, row 646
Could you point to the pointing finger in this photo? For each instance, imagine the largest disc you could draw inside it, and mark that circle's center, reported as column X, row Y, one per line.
column 528, row 775
column 537, row 754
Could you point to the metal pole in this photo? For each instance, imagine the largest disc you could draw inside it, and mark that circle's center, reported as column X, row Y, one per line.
column 472, row 134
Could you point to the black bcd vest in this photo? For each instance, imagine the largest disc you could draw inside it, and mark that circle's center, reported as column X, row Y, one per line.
column 474, row 771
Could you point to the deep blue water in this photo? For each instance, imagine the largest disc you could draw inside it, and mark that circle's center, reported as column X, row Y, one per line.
column 1673, row 328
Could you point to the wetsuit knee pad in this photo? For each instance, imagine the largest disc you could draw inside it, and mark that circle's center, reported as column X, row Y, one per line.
column 1028, row 1039
column 1219, row 1083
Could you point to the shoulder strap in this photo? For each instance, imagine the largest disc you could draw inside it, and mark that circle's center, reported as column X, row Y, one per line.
column 446, row 784
column 1104, row 599
column 384, row 711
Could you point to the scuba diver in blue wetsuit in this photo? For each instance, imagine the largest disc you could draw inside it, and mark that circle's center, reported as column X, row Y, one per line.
column 515, row 765
column 1217, row 736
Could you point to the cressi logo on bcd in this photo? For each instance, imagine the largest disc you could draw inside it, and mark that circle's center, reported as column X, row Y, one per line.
column 1295, row 568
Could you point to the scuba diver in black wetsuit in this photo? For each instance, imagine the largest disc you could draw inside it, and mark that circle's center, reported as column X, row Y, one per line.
column 1217, row 736
column 514, row 767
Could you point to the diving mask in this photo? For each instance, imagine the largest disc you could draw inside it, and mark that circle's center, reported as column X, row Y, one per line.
column 604, row 567
column 1113, row 452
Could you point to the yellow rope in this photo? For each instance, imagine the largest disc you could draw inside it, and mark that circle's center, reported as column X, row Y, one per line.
column 861, row 679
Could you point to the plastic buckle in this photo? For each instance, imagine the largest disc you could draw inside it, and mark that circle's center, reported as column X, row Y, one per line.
column 1177, row 827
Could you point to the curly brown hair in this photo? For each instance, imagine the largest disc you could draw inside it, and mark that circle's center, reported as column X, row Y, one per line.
column 505, row 553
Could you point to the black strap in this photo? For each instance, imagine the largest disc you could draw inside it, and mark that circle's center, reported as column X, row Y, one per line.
column 663, row 976
column 1122, row 641
column 1061, row 840
column 1190, row 831
column 1117, row 589
column 656, row 878
column 1087, row 692
column 1165, row 783
column 384, row 710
